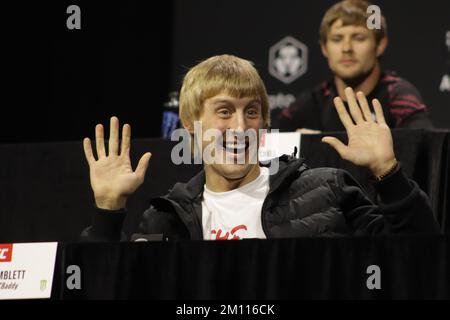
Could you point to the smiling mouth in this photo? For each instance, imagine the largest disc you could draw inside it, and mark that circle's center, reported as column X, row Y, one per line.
column 236, row 148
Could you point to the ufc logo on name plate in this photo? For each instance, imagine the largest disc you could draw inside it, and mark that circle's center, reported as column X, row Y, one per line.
column 6, row 252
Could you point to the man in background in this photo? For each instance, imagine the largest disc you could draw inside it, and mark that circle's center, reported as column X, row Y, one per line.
column 353, row 52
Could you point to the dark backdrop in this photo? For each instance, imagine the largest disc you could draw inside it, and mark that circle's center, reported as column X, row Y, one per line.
column 62, row 82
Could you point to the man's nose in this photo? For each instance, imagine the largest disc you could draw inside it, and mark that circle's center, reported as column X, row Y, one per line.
column 347, row 46
column 238, row 122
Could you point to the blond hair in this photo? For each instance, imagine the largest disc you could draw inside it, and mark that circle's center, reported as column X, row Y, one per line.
column 220, row 74
column 351, row 12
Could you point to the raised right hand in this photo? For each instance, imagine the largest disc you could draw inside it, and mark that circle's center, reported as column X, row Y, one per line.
column 112, row 177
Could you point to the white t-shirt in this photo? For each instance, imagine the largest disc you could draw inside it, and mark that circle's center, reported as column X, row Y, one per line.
column 235, row 214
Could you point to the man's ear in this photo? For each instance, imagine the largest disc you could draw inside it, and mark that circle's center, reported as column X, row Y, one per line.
column 382, row 45
column 324, row 49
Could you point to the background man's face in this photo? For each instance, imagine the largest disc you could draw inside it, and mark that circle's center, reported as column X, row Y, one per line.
column 351, row 50
column 223, row 112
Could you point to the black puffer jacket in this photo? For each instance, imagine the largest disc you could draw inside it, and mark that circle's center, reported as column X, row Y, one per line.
column 301, row 202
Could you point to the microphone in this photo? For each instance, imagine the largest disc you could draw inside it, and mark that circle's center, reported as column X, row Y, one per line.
column 294, row 154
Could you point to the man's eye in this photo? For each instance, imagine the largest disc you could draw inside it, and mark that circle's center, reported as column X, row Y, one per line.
column 336, row 39
column 253, row 112
column 224, row 113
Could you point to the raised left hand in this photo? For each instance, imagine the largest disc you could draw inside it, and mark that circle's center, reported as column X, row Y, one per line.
column 369, row 140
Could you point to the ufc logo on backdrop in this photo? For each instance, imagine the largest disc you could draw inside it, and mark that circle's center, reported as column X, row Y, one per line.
column 6, row 252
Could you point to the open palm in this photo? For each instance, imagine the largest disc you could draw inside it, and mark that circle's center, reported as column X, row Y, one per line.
column 112, row 177
column 369, row 140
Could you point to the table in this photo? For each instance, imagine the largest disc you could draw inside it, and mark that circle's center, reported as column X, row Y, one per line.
column 410, row 267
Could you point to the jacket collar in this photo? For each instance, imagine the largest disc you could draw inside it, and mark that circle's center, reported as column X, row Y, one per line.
column 289, row 169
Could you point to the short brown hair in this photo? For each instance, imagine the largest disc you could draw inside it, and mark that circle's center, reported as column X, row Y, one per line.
column 351, row 12
column 224, row 73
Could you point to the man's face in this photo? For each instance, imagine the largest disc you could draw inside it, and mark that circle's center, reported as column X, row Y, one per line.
column 234, row 157
column 351, row 50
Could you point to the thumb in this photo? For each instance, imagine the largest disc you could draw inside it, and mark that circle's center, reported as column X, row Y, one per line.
column 143, row 165
column 337, row 145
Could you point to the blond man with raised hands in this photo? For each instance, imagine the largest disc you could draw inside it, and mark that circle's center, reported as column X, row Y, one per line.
column 235, row 197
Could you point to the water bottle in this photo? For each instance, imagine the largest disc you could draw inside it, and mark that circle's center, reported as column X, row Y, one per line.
column 171, row 119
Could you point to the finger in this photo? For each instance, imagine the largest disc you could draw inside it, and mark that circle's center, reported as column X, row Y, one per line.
column 114, row 136
column 353, row 106
column 364, row 106
column 378, row 111
column 126, row 140
column 342, row 113
column 100, row 141
column 88, row 151
column 337, row 145
column 143, row 165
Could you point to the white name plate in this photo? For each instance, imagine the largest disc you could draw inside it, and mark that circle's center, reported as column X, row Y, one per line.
column 275, row 144
column 26, row 270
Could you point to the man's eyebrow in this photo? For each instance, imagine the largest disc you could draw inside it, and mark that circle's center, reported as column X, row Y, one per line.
column 227, row 101
column 341, row 34
column 254, row 101
column 221, row 101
